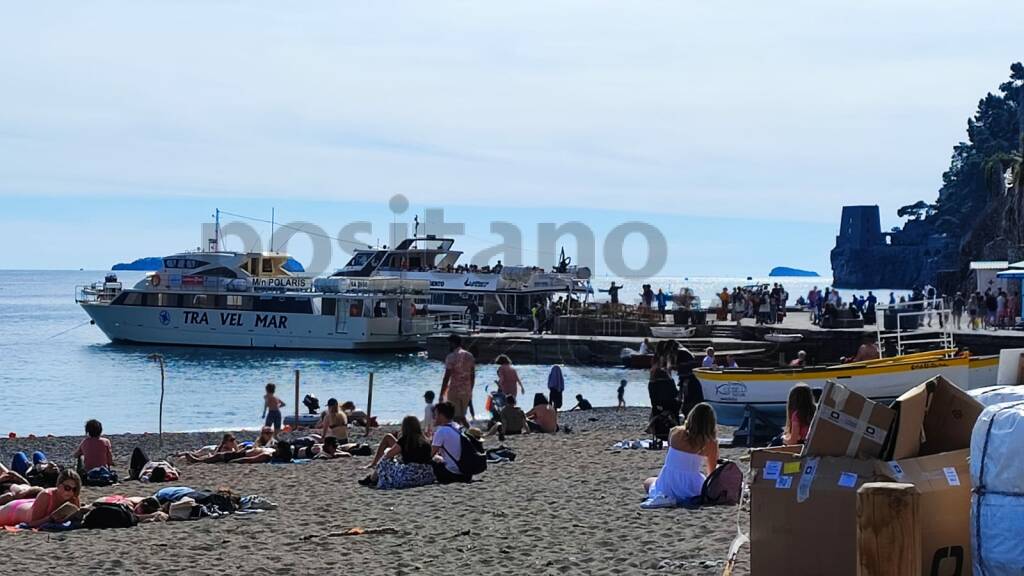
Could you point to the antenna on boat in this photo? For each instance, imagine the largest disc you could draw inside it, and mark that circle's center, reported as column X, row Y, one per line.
column 416, row 226
column 271, row 229
column 216, row 231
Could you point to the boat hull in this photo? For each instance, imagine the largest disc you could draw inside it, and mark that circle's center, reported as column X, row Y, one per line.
column 730, row 392
column 244, row 329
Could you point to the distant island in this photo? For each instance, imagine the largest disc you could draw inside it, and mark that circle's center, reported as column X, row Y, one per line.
column 153, row 264
column 792, row 272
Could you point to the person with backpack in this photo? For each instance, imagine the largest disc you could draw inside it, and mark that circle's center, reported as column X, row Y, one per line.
column 691, row 446
column 457, row 454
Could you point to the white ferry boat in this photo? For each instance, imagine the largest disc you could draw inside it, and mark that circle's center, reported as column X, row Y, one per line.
column 505, row 295
column 249, row 300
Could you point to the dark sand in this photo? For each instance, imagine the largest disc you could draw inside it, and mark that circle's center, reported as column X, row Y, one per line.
column 568, row 505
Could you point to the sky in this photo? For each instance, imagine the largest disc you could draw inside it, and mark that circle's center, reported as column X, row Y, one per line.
column 739, row 130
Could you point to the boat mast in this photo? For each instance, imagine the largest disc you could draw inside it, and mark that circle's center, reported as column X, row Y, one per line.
column 216, row 231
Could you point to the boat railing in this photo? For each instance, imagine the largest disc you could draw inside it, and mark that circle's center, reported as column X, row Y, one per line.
column 450, row 322
column 100, row 292
column 917, row 309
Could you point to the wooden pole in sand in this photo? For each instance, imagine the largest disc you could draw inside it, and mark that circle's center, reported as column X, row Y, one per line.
column 888, row 530
column 369, row 404
column 159, row 359
column 296, row 398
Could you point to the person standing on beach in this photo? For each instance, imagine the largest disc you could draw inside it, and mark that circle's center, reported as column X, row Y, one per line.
column 508, row 379
column 272, row 408
column 459, row 378
column 622, row 394
column 556, row 385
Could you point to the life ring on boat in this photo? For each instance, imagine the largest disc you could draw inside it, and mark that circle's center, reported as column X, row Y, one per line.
column 154, row 279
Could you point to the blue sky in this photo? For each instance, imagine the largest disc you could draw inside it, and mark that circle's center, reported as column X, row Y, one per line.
column 738, row 131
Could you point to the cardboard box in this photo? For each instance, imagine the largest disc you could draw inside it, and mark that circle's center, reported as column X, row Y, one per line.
column 931, row 418
column 803, row 511
column 848, row 424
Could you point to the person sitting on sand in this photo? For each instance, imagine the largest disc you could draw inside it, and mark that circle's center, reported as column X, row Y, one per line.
column 581, row 404
column 512, row 421
column 52, row 505
column 800, row 410
column 446, row 446
column 690, row 445
column 94, row 451
column 355, row 417
column 543, row 417
column 411, row 445
column 334, row 422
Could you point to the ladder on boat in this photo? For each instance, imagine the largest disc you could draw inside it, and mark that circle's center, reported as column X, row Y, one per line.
column 909, row 318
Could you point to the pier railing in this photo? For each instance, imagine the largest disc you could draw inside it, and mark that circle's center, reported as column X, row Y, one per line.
column 918, row 310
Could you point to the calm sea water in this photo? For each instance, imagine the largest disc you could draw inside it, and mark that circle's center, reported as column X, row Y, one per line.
column 56, row 370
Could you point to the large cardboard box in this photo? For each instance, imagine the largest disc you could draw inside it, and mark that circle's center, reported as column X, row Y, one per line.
column 804, row 508
column 848, row 424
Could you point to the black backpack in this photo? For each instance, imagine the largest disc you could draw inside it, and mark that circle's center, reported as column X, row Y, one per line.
column 473, row 460
column 44, row 475
column 109, row 515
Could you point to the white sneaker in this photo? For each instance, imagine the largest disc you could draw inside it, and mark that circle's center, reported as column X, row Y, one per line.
column 658, row 501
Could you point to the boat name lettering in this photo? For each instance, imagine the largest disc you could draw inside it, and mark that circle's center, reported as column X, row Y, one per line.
column 271, row 321
column 284, row 282
column 231, row 319
column 195, row 317
column 476, row 283
column 924, row 365
column 437, row 283
column 731, row 390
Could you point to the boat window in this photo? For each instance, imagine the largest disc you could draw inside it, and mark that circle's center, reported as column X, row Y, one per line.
column 220, row 272
column 360, row 259
column 162, row 299
column 284, row 305
column 199, row 301
column 268, row 265
column 355, row 308
column 195, row 264
column 128, row 299
column 328, row 306
column 170, row 262
column 380, row 309
column 254, row 265
column 237, row 302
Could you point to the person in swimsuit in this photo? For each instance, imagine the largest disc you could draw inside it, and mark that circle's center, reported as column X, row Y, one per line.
column 333, row 422
column 51, row 505
column 690, row 445
column 543, row 417
column 272, row 408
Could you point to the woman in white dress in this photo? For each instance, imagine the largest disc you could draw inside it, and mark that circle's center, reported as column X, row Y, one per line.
column 690, row 446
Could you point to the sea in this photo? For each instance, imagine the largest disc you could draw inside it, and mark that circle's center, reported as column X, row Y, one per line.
column 57, row 370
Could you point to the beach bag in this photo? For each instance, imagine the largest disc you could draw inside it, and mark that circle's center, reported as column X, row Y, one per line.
column 182, row 509
column 724, row 485
column 43, row 475
column 109, row 515
column 473, row 459
column 100, row 476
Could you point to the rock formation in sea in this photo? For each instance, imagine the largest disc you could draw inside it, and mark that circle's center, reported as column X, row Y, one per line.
column 792, row 272
column 979, row 214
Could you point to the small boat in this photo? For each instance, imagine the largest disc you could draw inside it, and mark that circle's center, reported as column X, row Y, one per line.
column 673, row 331
column 635, row 360
column 783, row 337
column 732, row 391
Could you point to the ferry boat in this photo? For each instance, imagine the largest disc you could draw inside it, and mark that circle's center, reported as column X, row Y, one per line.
column 250, row 300
column 505, row 295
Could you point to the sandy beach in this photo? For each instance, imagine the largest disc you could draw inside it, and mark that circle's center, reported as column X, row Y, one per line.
column 568, row 505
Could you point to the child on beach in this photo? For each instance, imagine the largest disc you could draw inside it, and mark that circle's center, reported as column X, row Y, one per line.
column 94, row 451
column 622, row 394
column 428, row 413
column 581, row 404
column 272, row 408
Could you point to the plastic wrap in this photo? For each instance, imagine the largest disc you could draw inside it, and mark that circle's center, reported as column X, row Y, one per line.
column 997, row 477
column 990, row 395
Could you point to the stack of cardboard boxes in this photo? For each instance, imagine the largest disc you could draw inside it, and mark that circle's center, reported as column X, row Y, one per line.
column 804, row 498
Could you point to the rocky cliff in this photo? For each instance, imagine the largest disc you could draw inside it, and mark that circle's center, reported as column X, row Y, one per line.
column 979, row 214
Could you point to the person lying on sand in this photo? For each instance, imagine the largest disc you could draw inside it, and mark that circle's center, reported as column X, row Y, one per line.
column 355, row 417
column 326, row 450
column 14, row 486
column 281, row 453
column 229, row 450
column 51, row 505
column 144, row 508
